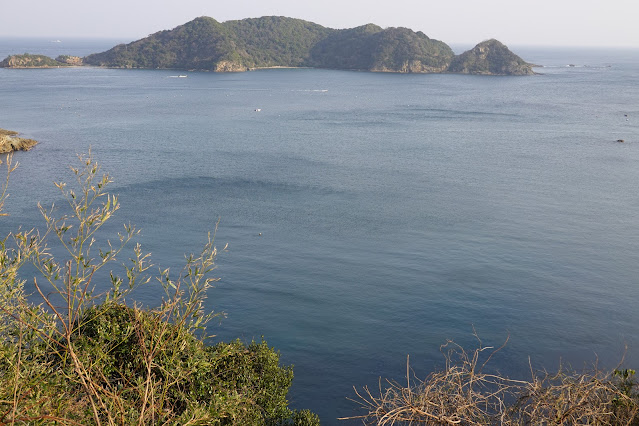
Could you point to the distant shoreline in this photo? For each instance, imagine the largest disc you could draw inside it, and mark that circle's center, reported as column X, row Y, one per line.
column 278, row 67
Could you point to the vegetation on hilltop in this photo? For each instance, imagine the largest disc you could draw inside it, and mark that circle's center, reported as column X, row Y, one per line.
column 205, row 44
column 74, row 352
column 491, row 58
column 403, row 50
column 199, row 44
column 276, row 40
column 372, row 48
column 349, row 49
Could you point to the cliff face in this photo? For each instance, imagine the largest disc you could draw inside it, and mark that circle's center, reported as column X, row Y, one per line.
column 490, row 58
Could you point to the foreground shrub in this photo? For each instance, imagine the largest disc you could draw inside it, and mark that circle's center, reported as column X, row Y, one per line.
column 463, row 393
column 76, row 353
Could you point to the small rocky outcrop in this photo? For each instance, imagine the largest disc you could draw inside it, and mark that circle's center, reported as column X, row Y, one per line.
column 69, row 60
column 229, row 66
column 411, row 67
column 490, row 57
column 30, row 61
column 9, row 142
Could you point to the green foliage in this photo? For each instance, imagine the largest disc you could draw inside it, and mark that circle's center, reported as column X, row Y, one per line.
column 346, row 49
column 82, row 355
column 204, row 43
column 277, row 41
column 370, row 47
column 628, row 389
column 398, row 47
column 234, row 383
column 199, row 44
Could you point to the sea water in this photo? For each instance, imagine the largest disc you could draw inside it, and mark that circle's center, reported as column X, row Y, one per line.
column 368, row 216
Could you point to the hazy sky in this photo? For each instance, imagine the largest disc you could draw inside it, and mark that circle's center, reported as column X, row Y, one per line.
column 514, row 22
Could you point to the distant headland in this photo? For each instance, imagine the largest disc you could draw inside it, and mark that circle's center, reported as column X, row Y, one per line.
column 205, row 44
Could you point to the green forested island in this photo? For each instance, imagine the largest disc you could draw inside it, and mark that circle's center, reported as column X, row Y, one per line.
column 205, row 44
column 272, row 41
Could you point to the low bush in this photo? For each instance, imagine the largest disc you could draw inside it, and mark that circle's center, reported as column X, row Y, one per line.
column 465, row 393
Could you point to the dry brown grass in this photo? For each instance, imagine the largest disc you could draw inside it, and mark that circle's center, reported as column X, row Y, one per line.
column 570, row 397
column 464, row 394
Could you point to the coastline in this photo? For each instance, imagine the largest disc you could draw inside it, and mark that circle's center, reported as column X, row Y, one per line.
column 279, row 67
column 10, row 142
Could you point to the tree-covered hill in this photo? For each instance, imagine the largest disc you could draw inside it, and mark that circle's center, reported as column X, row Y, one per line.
column 401, row 49
column 206, row 44
column 203, row 44
column 490, row 57
column 277, row 41
column 346, row 49
column 273, row 41
column 370, row 47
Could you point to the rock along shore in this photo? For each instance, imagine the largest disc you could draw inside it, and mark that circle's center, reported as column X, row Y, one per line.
column 9, row 142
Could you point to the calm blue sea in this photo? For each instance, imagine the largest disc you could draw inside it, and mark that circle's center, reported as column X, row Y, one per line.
column 395, row 211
